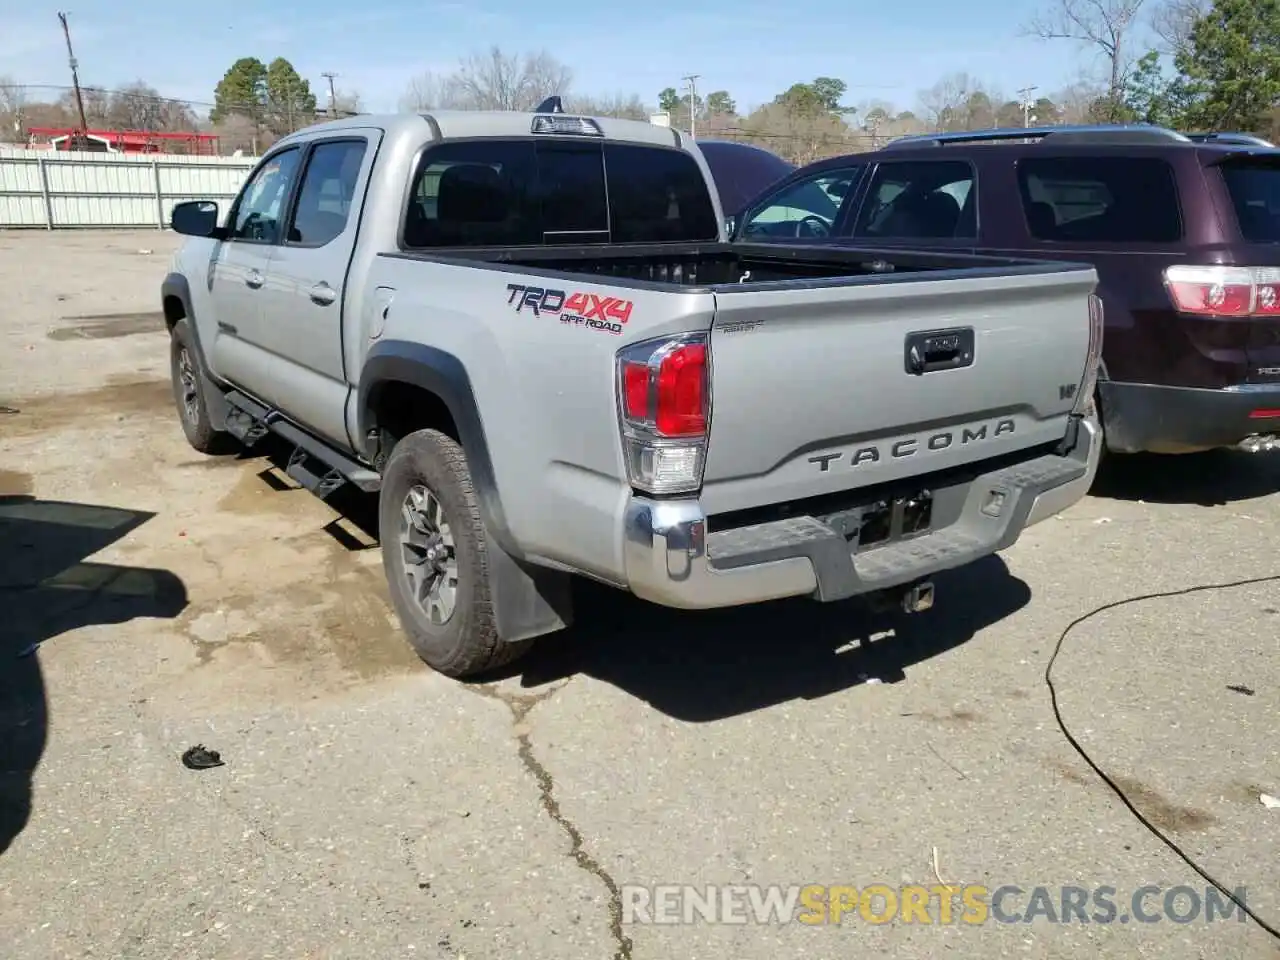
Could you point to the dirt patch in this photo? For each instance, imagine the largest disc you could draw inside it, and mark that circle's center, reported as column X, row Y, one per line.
column 14, row 483
column 264, row 490
column 335, row 615
column 952, row 718
column 1163, row 812
column 106, row 326
column 1160, row 810
column 118, row 399
column 1070, row 774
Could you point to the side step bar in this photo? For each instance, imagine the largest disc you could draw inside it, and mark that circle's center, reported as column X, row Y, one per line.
column 313, row 464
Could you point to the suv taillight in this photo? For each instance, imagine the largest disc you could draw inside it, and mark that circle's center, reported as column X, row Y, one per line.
column 1084, row 396
column 664, row 407
column 1212, row 291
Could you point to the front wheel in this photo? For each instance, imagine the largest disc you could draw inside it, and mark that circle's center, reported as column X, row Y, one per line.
column 435, row 556
column 188, row 394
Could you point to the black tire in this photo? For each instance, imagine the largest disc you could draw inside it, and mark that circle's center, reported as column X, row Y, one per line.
column 188, row 394
column 464, row 643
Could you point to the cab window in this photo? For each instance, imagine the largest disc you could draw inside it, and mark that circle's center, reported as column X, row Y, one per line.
column 261, row 209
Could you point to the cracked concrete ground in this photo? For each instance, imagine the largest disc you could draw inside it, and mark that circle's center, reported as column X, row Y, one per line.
column 371, row 809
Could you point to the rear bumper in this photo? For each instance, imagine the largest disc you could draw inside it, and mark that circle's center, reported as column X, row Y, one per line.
column 672, row 560
column 1140, row 417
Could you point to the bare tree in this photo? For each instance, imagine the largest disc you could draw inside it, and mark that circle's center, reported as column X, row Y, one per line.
column 491, row 81
column 1105, row 25
column 13, row 100
column 500, row 81
column 428, row 91
column 801, row 136
column 1076, row 102
column 942, row 105
column 623, row 107
column 1173, row 21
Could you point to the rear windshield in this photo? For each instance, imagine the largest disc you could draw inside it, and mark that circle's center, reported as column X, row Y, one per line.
column 1255, row 195
column 493, row 192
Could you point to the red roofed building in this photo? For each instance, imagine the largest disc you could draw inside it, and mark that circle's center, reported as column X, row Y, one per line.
column 122, row 141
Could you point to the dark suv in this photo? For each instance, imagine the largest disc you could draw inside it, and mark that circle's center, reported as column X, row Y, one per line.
column 1184, row 234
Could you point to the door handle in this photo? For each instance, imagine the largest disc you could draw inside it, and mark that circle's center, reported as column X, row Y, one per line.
column 323, row 294
column 253, row 279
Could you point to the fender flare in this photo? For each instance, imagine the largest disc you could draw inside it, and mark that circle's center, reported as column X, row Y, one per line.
column 177, row 286
column 442, row 374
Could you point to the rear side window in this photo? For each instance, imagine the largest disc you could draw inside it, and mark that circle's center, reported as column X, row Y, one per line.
column 328, row 187
column 523, row 192
column 920, row 200
column 1255, row 196
column 657, row 195
column 1100, row 199
column 475, row 194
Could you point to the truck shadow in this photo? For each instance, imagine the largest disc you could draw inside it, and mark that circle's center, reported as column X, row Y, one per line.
column 47, row 590
column 1209, row 479
column 700, row 666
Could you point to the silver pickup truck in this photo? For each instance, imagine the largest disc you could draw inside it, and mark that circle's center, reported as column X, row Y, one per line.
column 528, row 335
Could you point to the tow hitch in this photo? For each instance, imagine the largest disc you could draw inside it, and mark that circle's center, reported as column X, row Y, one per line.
column 915, row 598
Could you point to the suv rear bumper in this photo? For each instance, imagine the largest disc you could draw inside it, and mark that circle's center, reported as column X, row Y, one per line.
column 672, row 560
column 1142, row 417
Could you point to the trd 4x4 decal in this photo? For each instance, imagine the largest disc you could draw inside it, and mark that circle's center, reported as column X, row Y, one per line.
column 580, row 309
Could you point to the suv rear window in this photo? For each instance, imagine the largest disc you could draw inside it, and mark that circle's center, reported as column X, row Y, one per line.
column 524, row 192
column 1100, row 199
column 1255, row 194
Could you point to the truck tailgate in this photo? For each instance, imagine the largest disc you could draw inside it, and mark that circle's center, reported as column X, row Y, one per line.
column 812, row 394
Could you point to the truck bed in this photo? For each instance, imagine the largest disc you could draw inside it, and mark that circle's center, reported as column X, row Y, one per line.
column 831, row 369
column 711, row 265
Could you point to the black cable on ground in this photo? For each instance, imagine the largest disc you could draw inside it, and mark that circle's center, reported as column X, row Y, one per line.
column 1084, row 755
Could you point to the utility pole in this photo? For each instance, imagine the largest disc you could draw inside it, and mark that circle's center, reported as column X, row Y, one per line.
column 692, row 79
column 333, row 97
column 75, row 76
column 1025, row 94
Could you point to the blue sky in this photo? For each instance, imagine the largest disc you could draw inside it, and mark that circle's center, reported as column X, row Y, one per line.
column 751, row 48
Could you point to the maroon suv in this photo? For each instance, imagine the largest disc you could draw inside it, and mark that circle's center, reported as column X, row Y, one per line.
column 1184, row 234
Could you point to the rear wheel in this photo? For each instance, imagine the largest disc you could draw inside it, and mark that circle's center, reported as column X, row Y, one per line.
column 435, row 554
column 188, row 394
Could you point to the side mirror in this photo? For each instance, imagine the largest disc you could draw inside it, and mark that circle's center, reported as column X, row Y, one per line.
column 730, row 224
column 195, row 218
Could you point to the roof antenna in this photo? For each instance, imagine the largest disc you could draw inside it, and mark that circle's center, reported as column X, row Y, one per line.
column 550, row 105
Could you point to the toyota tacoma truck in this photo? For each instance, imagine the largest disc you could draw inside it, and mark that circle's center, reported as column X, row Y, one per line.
column 529, row 335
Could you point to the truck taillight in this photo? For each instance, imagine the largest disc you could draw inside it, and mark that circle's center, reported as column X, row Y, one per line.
column 664, row 406
column 1084, row 396
column 1224, row 291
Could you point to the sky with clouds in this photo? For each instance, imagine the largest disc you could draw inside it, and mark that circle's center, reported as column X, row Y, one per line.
column 751, row 48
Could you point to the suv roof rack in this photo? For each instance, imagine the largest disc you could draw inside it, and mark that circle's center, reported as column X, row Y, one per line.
column 1242, row 139
column 1137, row 133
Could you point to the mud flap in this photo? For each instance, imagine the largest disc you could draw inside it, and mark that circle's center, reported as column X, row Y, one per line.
column 528, row 601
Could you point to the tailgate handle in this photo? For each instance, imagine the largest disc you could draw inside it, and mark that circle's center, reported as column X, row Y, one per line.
column 930, row 350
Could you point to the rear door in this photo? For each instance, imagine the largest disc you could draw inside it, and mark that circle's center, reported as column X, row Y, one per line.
column 1250, row 201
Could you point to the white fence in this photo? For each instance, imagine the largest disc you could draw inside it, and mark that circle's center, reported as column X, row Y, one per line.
column 49, row 190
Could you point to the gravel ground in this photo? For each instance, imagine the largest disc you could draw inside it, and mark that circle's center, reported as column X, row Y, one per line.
column 370, row 808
